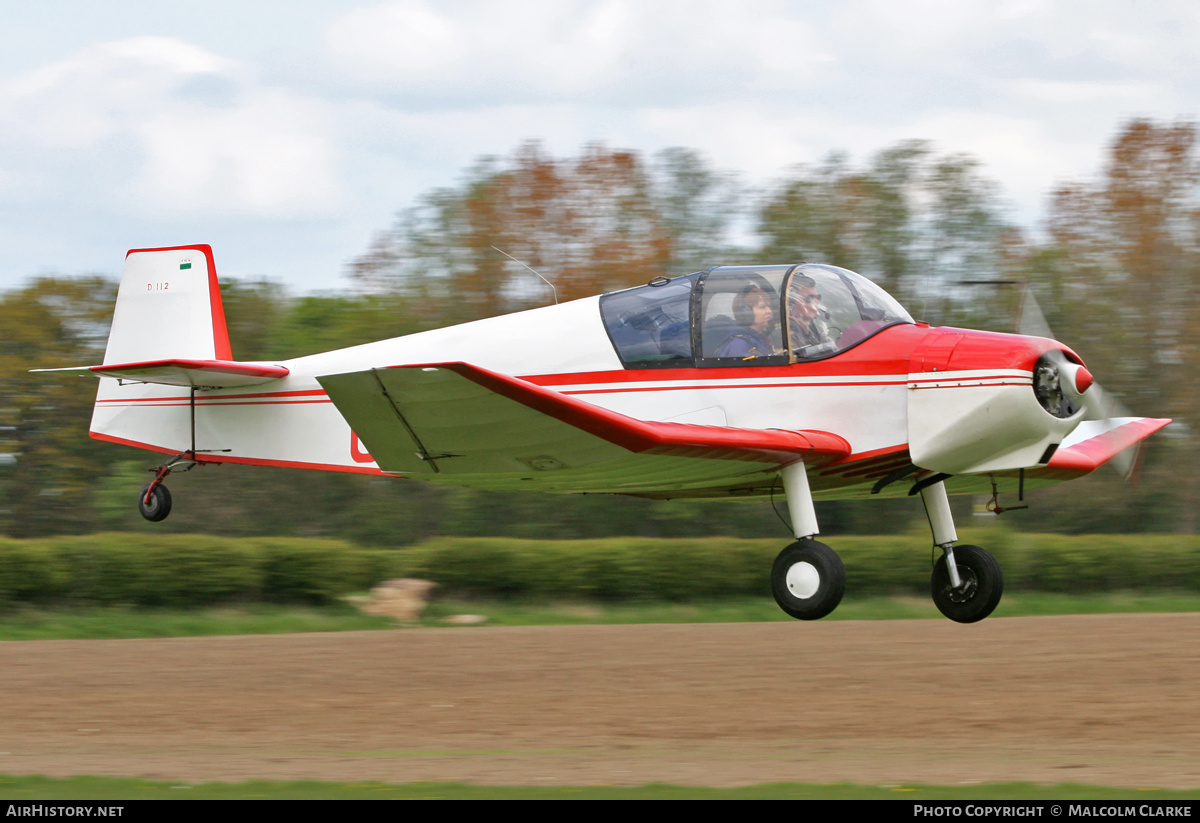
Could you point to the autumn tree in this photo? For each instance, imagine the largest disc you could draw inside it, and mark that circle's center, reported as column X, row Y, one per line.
column 1126, row 279
column 603, row 220
column 1121, row 282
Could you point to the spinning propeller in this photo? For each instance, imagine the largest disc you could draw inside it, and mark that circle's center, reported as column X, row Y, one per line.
column 1064, row 387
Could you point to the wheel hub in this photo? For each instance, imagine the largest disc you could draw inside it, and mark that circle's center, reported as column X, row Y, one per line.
column 968, row 589
column 803, row 580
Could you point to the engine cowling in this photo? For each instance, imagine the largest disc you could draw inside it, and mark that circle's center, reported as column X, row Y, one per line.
column 974, row 405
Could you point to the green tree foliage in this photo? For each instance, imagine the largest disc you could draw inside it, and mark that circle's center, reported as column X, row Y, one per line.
column 916, row 223
column 47, row 461
column 265, row 323
column 697, row 207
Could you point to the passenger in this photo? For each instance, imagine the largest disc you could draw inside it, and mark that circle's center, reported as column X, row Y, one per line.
column 806, row 327
column 754, row 314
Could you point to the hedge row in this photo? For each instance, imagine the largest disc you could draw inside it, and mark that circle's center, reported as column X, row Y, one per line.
column 693, row 569
column 185, row 570
column 194, row 570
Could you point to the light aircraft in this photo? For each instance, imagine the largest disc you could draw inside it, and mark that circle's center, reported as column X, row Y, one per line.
column 728, row 383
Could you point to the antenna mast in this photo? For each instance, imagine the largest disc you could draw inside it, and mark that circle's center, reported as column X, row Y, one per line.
column 544, row 280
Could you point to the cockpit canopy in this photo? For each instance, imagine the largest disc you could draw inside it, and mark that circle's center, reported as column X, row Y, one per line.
column 746, row 316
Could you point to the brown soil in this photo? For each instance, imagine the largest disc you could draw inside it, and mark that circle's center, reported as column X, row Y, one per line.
column 1110, row 700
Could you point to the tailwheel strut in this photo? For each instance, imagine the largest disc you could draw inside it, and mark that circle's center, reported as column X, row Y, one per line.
column 154, row 502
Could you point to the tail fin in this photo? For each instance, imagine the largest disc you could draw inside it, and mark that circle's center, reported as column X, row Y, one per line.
column 168, row 308
column 168, row 329
column 169, row 325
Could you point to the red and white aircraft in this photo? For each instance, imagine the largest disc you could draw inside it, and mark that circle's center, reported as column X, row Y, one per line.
column 728, row 383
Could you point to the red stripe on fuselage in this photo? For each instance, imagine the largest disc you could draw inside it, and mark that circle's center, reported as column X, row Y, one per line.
column 247, row 461
column 684, row 386
column 963, row 382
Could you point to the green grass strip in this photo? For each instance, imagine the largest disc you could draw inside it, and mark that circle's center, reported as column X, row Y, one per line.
column 763, row 609
column 31, row 623
column 125, row 622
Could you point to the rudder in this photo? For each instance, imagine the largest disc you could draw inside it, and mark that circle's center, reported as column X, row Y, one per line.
column 168, row 307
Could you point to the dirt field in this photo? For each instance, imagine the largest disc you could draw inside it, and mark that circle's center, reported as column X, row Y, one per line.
column 1112, row 700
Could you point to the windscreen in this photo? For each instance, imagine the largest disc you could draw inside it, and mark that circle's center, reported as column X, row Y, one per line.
column 830, row 310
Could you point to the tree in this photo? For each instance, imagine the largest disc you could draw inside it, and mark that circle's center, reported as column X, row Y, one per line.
column 600, row 221
column 915, row 223
column 47, row 461
column 696, row 207
column 1122, row 273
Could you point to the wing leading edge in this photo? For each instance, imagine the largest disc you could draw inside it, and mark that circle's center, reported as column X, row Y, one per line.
column 470, row 426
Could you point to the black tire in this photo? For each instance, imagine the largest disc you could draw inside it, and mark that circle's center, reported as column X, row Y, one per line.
column 159, row 506
column 982, row 585
column 808, row 580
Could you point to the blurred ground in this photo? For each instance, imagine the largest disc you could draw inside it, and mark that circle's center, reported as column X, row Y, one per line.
column 1109, row 700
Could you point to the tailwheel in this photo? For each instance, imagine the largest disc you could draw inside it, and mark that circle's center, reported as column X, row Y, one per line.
column 981, row 585
column 808, row 579
column 154, row 503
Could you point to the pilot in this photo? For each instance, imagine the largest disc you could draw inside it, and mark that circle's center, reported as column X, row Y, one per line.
column 806, row 327
column 754, row 314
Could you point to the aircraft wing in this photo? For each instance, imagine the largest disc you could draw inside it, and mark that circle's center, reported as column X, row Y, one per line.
column 1095, row 442
column 213, row 374
column 489, row 430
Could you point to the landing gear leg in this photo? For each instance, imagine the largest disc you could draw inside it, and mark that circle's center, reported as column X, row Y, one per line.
column 967, row 582
column 808, row 578
column 154, row 501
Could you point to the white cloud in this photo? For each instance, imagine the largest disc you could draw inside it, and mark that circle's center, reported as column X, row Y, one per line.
column 1082, row 92
column 264, row 156
column 154, row 124
column 399, row 40
column 554, row 50
column 145, row 137
column 92, row 94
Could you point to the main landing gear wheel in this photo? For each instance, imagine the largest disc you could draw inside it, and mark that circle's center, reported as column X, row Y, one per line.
column 160, row 502
column 982, row 585
column 808, row 580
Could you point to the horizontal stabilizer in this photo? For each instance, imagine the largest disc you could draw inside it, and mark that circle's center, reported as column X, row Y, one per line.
column 207, row 374
column 1095, row 442
column 462, row 420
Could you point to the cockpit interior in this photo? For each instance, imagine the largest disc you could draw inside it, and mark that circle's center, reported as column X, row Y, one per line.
column 735, row 316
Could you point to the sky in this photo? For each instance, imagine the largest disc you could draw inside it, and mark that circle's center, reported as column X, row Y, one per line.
column 286, row 135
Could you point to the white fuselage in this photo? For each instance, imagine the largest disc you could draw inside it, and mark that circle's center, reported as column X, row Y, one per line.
column 291, row 422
